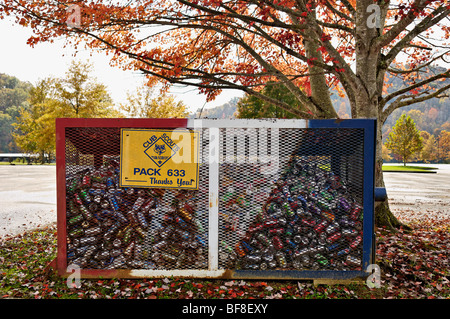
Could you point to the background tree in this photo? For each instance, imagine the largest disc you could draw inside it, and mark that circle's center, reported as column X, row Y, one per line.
column 429, row 151
column 253, row 107
column 80, row 95
column 13, row 96
column 385, row 153
column 214, row 45
column 34, row 129
column 444, row 146
column 76, row 95
column 405, row 139
column 143, row 103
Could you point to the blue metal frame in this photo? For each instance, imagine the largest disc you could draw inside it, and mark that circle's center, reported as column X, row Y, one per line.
column 369, row 127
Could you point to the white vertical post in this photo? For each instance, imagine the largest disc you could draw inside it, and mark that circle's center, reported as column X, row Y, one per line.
column 213, row 228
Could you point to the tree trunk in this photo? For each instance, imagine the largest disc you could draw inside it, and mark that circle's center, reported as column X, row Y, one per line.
column 320, row 92
column 368, row 92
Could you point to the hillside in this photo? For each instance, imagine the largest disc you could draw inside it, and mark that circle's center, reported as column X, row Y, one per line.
column 224, row 111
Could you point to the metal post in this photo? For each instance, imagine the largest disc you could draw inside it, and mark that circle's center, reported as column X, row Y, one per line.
column 213, row 231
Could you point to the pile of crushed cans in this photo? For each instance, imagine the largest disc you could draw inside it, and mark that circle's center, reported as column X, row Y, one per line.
column 307, row 219
column 310, row 221
column 118, row 228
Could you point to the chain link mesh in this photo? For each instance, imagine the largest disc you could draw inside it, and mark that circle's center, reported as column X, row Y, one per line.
column 288, row 199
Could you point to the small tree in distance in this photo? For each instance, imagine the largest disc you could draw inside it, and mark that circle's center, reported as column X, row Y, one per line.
column 405, row 139
column 143, row 103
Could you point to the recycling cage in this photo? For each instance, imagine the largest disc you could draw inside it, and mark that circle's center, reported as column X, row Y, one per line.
column 277, row 199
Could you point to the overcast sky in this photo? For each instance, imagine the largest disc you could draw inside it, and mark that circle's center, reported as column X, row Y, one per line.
column 51, row 59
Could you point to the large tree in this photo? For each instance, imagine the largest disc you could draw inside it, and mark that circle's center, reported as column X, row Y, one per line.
column 243, row 44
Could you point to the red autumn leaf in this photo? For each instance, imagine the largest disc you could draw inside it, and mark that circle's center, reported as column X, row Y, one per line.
column 322, row 49
column 311, row 60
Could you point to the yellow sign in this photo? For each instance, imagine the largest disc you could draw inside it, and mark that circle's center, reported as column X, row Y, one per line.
column 159, row 158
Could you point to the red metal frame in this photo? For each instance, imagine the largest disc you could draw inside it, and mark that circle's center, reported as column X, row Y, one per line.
column 61, row 124
column 61, row 261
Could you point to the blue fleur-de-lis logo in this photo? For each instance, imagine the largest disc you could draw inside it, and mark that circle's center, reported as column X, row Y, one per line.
column 160, row 149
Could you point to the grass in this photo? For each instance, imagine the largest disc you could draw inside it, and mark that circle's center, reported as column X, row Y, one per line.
column 412, row 169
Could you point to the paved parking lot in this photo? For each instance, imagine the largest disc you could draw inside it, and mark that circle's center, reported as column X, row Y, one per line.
column 420, row 191
column 28, row 195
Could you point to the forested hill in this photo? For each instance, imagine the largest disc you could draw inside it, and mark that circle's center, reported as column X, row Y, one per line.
column 224, row 111
column 428, row 116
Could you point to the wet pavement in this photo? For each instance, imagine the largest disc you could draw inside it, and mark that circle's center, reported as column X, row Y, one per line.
column 419, row 192
column 28, row 195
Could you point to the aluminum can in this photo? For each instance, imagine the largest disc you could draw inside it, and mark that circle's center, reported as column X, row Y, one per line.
column 119, row 217
column 334, row 237
column 138, row 203
column 110, row 232
column 160, row 245
column 356, row 242
column 343, row 252
column 252, row 258
column 75, row 220
column 77, row 232
column 141, row 219
column 88, row 240
column 93, row 231
column 349, row 232
column 343, row 203
column 320, row 227
column 332, row 228
column 239, row 250
column 353, row 261
column 355, row 213
column 281, row 259
column 276, row 231
column 113, row 202
column 262, row 238
column 277, row 242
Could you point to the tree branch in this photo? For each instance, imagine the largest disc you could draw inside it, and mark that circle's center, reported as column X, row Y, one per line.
column 432, row 19
column 406, row 100
column 414, row 86
column 398, row 28
column 417, row 69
